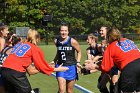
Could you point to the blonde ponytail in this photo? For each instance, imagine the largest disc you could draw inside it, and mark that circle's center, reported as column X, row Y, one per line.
column 33, row 36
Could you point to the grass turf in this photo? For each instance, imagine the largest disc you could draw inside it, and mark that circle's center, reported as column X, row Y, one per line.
column 48, row 84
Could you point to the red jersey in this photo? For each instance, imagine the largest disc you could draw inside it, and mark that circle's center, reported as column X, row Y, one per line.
column 120, row 54
column 23, row 54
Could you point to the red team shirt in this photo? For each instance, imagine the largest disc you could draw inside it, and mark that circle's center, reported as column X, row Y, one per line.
column 23, row 54
column 119, row 55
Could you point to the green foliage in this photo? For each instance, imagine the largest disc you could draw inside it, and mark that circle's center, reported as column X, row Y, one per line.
column 84, row 16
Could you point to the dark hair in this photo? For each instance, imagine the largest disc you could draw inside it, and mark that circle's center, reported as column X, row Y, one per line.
column 13, row 40
column 107, row 27
column 2, row 26
column 63, row 24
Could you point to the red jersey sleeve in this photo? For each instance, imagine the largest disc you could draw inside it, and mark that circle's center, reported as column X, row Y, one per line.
column 40, row 63
column 107, row 62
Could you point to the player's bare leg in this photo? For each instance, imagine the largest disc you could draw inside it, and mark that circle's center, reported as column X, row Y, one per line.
column 61, row 85
column 70, row 85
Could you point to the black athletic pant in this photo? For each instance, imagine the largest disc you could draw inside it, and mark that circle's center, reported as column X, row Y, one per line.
column 15, row 82
column 129, row 80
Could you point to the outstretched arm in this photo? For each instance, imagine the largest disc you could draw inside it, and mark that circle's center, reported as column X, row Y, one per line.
column 92, row 66
column 41, row 65
column 31, row 70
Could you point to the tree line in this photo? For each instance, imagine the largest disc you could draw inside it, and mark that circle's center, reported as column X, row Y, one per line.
column 83, row 16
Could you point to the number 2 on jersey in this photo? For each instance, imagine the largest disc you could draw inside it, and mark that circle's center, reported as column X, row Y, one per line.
column 63, row 56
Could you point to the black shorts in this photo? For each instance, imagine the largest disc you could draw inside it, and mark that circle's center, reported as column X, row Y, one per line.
column 129, row 80
column 114, row 70
column 15, row 82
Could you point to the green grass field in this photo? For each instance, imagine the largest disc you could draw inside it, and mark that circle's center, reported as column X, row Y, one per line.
column 48, row 84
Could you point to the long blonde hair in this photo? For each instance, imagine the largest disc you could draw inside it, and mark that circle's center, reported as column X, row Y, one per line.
column 33, row 36
column 113, row 35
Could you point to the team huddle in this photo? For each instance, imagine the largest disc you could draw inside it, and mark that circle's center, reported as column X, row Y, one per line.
column 19, row 56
